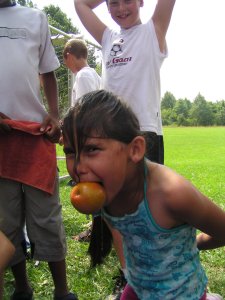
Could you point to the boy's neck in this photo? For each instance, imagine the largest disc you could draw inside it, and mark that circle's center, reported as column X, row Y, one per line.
column 82, row 63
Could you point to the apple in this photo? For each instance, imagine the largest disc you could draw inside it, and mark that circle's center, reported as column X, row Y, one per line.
column 88, row 197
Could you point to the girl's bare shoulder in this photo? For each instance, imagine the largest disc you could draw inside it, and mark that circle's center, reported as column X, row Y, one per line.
column 172, row 188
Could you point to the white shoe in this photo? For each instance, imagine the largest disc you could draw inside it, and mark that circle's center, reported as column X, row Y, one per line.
column 212, row 296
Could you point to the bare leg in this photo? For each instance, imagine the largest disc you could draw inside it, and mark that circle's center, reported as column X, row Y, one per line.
column 58, row 271
column 21, row 279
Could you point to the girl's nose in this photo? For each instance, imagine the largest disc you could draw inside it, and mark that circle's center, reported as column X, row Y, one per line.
column 76, row 171
column 79, row 169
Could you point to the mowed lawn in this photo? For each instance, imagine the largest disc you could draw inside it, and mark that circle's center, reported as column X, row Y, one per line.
column 196, row 153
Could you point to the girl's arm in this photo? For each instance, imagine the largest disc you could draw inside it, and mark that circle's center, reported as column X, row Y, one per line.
column 91, row 22
column 6, row 253
column 161, row 19
column 206, row 242
column 188, row 205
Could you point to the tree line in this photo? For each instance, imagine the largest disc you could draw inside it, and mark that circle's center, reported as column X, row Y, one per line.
column 183, row 112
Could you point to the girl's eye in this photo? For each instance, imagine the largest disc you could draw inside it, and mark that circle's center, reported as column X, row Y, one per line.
column 90, row 149
column 68, row 151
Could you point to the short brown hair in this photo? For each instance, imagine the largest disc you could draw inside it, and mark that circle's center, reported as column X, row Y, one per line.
column 77, row 48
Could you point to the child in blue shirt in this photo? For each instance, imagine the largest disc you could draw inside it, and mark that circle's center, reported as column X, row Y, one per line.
column 156, row 210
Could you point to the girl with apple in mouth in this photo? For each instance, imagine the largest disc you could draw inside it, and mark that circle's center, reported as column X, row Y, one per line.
column 156, row 210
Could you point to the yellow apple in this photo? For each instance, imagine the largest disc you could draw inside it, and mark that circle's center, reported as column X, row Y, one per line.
column 88, row 197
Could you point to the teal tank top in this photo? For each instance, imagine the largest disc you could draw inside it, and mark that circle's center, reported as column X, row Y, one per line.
column 161, row 264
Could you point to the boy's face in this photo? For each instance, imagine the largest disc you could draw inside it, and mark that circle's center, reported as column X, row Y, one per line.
column 66, row 61
column 70, row 62
column 126, row 13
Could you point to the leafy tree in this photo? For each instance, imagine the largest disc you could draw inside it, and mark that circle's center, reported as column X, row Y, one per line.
column 181, row 112
column 57, row 18
column 180, row 108
column 168, row 101
column 201, row 112
column 166, row 116
column 220, row 113
column 98, row 68
column 27, row 3
column 91, row 57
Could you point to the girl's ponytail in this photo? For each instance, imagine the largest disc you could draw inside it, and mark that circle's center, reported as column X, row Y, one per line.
column 101, row 241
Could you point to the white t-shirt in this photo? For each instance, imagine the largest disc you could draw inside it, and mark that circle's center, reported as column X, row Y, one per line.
column 86, row 80
column 25, row 51
column 131, row 69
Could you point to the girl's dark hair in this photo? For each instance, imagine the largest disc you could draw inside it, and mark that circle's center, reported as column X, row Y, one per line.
column 101, row 114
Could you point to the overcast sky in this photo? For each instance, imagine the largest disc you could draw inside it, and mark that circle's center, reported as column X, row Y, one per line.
column 196, row 43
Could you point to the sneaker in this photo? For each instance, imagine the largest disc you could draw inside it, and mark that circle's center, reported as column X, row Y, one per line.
column 120, row 282
column 212, row 296
column 22, row 296
column 69, row 296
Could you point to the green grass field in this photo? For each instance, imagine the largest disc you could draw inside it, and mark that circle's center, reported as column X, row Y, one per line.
column 196, row 153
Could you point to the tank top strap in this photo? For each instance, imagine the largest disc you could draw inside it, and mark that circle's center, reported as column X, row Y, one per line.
column 145, row 181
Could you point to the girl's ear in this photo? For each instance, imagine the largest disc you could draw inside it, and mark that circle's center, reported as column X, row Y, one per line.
column 137, row 148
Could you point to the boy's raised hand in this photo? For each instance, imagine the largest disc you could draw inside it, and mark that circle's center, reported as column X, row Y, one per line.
column 161, row 19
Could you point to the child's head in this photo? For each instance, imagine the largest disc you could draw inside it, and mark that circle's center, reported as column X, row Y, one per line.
column 98, row 119
column 74, row 52
column 126, row 13
column 76, row 47
column 102, row 114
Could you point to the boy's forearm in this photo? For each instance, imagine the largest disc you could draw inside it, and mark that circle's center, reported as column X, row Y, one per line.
column 161, row 19
column 93, row 24
column 162, row 14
